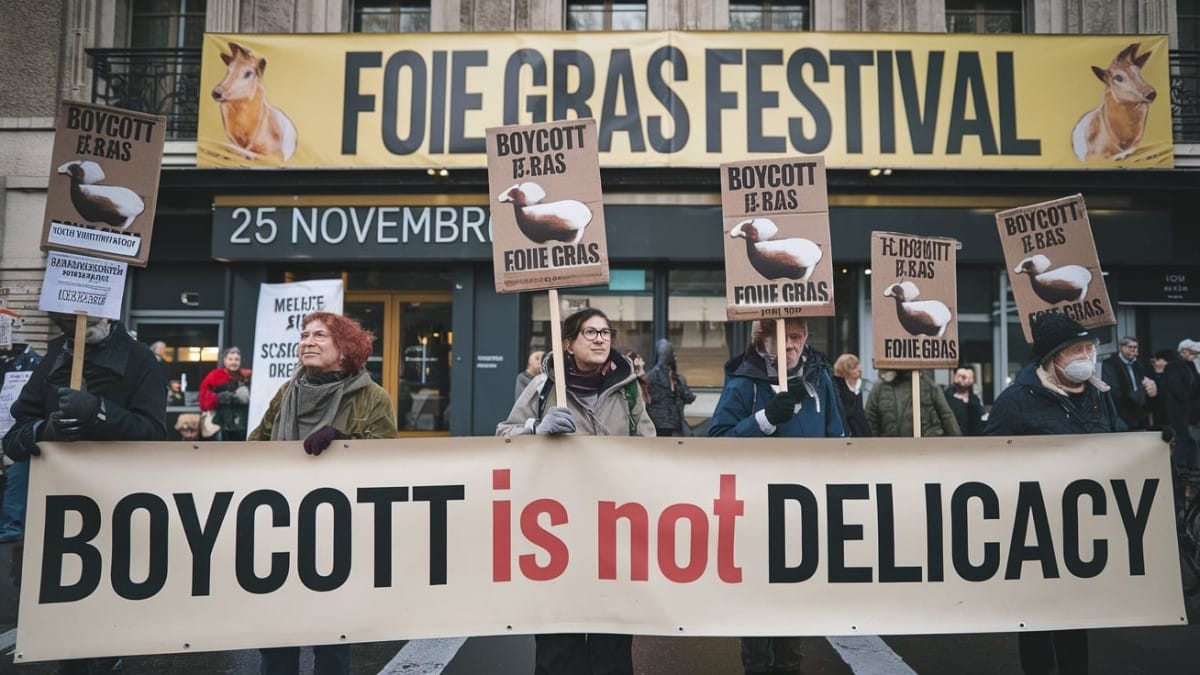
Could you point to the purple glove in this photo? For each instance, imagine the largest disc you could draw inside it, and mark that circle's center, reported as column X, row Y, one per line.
column 320, row 439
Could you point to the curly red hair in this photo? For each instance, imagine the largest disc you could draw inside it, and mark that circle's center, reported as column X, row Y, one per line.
column 348, row 336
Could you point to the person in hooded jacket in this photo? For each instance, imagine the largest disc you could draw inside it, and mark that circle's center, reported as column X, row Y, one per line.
column 1058, row 392
column 749, row 407
column 889, row 407
column 603, row 399
column 120, row 399
column 668, row 390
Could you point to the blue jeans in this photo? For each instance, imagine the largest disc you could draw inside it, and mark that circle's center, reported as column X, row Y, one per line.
column 327, row 660
column 16, row 490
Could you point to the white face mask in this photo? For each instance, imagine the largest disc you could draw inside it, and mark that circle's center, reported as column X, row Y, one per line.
column 1079, row 370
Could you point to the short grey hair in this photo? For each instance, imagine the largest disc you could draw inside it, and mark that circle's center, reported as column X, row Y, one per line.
column 1128, row 340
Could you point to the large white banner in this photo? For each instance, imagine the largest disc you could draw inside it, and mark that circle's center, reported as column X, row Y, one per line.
column 160, row 547
column 281, row 309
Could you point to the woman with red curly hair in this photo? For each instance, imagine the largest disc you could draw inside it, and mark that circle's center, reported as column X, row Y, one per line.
column 330, row 397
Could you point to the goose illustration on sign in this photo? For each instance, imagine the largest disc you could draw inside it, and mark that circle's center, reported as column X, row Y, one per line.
column 792, row 258
column 563, row 220
column 925, row 317
column 110, row 204
column 1068, row 283
column 1114, row 129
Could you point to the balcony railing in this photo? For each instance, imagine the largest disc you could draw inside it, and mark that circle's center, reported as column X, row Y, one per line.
column 160, row 81
column 167, row 82
column 1185, row 95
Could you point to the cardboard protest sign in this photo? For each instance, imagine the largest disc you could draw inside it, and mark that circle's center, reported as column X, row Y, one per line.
column 280, row 317
column 911, row 333
column 77, row 284
column 1052, row 263
column 103, row 182
column 778, row 260
column 547, row 206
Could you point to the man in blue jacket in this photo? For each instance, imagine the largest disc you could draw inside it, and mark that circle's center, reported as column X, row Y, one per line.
column 750, row 407
column 1058, row 392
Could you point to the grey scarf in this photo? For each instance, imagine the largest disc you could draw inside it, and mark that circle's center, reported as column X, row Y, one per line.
column 307, row 407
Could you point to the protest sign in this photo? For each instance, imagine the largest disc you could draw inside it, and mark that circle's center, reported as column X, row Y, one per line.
column 103, row 182
column 281, row 312
column 778, row 260
column 1052, row 263
column 547, row 206
column 13, row 383
column 80, row 284
column 911, row 333
column 136, row 548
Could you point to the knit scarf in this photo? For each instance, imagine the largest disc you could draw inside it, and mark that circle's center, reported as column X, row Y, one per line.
column 587, row 385
column 313, row 401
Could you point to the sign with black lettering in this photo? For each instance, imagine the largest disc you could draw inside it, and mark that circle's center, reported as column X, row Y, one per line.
column 82, row 284
column 689, row 98
column 280, row 317
column 1052, row 263
column 914, row 301
column 547, row 206
column 138, row 548
column 103, row 182
column 778, row 257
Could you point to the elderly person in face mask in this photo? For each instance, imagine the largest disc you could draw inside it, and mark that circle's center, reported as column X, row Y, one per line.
column 1061, row 378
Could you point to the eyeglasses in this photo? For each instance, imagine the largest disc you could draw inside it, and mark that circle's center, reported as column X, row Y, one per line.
column 604, row 334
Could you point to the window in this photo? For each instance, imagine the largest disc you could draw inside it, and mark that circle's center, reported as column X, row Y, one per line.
column 193, row 345
column 984, row 16
column 391, row 16
column 167, row 23
column 1188, row 16
column 778, row 15
column 605, row 15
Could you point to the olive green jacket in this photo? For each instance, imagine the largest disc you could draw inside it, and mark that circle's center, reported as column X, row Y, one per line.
column 889, row 408
column 364, row 413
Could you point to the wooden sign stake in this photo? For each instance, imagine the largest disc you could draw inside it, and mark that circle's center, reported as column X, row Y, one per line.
column 916, row 402
column 560, row 366
column 781, row 353
column 79, row 345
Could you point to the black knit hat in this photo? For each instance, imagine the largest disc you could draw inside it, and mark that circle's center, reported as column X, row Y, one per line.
column 1052, row 331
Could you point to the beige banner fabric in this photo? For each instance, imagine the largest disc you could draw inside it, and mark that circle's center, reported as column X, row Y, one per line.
column 690, row 99
column 169, row 547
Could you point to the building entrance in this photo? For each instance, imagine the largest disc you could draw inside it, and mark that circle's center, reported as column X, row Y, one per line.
column 412, row 354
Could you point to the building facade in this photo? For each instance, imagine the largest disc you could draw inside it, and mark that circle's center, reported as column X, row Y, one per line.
column 419, row 271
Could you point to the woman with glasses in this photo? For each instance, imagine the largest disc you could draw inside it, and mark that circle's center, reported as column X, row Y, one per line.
column 603, row 399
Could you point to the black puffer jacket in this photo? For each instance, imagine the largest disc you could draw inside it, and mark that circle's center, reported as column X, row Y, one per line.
column 1030, row 408
column 120, row 371
column 666, row 401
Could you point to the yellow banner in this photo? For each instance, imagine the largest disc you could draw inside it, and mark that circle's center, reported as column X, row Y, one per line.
column 136, row 548
column 690, row 99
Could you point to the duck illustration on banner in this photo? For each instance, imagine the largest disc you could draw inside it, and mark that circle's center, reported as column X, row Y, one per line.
column 791, row 258
column 563, row 220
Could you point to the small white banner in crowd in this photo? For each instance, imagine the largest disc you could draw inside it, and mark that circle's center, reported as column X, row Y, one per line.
column 76, row 283
column 281, row 310
column 136, row 548
column 13, row 383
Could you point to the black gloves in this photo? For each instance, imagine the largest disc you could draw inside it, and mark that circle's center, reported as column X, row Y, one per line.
column 226, row 397
column 781, row 408
column 76, row 410
column 320, row 439
column 1168, row 435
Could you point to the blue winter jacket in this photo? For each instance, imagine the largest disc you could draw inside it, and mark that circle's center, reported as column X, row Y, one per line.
column 748, row 388
column 1029, row 408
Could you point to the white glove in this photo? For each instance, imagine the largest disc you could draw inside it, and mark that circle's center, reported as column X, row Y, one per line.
column 556, row 421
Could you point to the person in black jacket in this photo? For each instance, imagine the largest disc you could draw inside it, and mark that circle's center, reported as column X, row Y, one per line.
column 121, row 399
column 1057, row 393
column 1132, row 390
column 848, row 383
column 968, row 409
column 1181, row 380
column 668, row 390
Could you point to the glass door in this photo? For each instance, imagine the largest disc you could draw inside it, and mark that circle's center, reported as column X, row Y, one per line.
column 412, row 355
